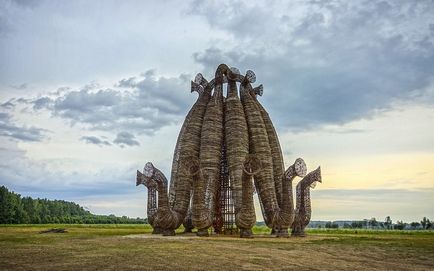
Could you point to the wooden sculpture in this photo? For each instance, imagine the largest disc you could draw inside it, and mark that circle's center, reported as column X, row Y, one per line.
column 227, row 143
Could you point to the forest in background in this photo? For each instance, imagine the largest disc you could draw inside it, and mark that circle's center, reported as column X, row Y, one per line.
column 15, row 209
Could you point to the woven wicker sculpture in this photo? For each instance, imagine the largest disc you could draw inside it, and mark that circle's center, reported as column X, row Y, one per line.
column 303, row 210
column 228, row 139
column 152, row 198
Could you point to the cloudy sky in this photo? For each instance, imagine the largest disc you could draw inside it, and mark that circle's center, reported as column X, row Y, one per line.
column 92, row 90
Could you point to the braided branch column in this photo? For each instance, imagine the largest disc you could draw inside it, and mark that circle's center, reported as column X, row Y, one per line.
column 260, row 147
column 287, row 206
column 303, row 210
column 151, row 210
column 237, row 140
column 245, row 218
column 165, row 219
column 276, row 151
column 210, row 153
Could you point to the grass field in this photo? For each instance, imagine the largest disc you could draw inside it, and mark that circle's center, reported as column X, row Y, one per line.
column 129, row 247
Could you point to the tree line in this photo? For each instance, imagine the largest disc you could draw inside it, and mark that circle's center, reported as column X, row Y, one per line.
column 15, row 209
column 424, row 224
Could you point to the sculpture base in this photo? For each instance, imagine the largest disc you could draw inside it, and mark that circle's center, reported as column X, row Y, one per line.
column 156, row 230
column 202, row 232
column 168, row 232
column 188, row 230
column 282, row 233
column 298, row 233
column 246, row 233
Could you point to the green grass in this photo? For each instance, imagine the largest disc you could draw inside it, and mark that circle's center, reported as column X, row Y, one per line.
column 370, row 231
column 129, row 247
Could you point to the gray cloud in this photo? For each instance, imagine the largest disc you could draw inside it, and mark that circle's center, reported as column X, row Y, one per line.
column 20, row 87
column 125, row 138
column 166, row 94
column 84, row 100
column 40, row 103
column 95, row 140
column 139, row 105
column 8, row 105
column 326, row 62
column 23, row 101
column 21, row 133
column 142, row 105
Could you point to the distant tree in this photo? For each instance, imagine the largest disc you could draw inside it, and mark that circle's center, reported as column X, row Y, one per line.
column 414, row 225
column 388, row 222
column 8, row 207
column 366, row 223
column 357, row 224
column 373, row 222
column 429, row 225
column 16, row 210
column 424, row 222
column 5, row 209
column 331, row 225
column 399, row 225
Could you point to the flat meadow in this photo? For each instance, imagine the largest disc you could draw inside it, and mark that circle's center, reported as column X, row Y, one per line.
column 133, row 247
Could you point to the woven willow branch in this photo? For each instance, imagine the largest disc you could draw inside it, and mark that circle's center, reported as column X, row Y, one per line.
column 165, row 219
column 211, row 141
column 237, row 140
column 245, row 218
column 152, row 207
column 276, row 151
column 287, row 205
column 260, row 148
column 189, row 147
column 198, row 86
column 303, row 210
